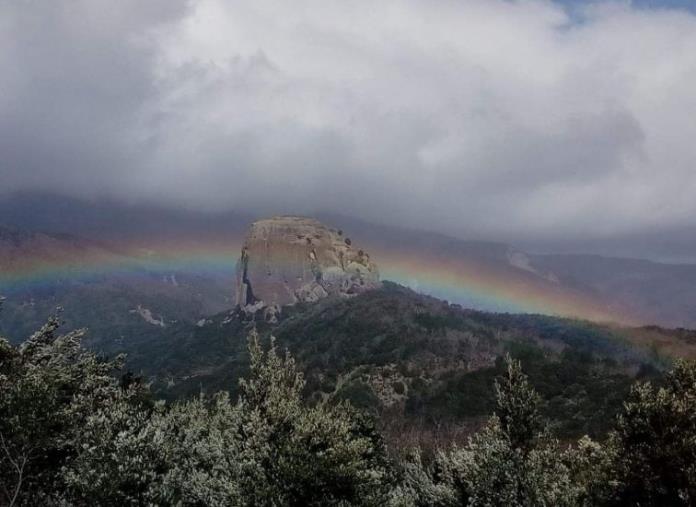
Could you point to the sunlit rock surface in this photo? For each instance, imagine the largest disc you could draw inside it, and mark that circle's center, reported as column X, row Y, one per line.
column 289, row 259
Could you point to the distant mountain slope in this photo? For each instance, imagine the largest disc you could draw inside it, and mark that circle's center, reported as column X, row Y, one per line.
column 99, row 288
column 659, row 293
column 632, row 290
column 477, row 274
column 23, row 251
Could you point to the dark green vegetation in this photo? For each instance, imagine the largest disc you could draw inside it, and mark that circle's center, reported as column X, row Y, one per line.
column 424, row 366
column 107, row 306
column 71, row 433
column 74, row 430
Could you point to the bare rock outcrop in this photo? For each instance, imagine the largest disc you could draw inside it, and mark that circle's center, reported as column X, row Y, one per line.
column 289, row 259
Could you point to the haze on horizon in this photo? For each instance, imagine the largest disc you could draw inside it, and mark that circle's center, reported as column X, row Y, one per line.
column 560, row 125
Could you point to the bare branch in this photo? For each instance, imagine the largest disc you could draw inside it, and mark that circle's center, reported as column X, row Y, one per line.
column 19, row 465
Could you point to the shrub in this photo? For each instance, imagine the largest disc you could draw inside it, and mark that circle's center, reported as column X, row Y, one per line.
column 655, row 442
column 71, row 433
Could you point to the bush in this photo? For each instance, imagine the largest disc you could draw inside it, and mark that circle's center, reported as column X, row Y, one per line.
column 49, row 389
column 655, row 442
column 70, row 433
column 512, row 461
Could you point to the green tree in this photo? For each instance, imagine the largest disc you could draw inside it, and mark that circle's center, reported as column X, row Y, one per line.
column 300, row 455
column 49, row 386
column 183, row 454
column 512, row 461
column 72, row 433
column 419, row 485
column 517, row 407
column 270, row 448
column 655, row 442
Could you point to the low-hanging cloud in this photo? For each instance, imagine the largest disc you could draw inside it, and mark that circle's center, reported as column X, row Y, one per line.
column 487, row 117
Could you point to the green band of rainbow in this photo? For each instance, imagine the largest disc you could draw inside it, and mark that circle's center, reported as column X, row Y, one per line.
column 472, row 284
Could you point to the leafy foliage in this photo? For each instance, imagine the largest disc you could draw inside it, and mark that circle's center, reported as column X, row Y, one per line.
column 511, row 461
column 74, row 432
column 648, row 458
column 518, row 407
column 655, row 442
column 49, row 388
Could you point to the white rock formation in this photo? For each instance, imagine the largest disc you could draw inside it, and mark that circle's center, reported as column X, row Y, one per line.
column 289, row 259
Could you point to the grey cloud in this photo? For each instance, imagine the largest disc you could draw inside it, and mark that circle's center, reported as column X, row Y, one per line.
column 490, row 118
column 583, row 148
column 76, row 76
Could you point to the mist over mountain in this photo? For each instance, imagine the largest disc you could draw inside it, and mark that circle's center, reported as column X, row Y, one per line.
column 100, row 241
column 536, row 123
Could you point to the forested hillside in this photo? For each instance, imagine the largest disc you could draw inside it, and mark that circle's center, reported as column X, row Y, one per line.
column 425, row 367
column 76, row 429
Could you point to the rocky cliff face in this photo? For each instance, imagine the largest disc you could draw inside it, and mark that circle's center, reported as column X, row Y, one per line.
column 289, row 259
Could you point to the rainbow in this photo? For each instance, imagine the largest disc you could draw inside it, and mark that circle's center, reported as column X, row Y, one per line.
column 134, row 259
column 481, row 285
column 473, row 284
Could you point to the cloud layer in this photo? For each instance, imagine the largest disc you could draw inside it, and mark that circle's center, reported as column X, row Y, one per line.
column 496, row 118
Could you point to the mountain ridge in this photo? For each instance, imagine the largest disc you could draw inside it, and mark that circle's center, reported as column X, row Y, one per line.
column 482, row 274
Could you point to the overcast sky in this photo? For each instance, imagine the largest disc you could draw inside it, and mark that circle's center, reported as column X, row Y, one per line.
column 509, row 119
